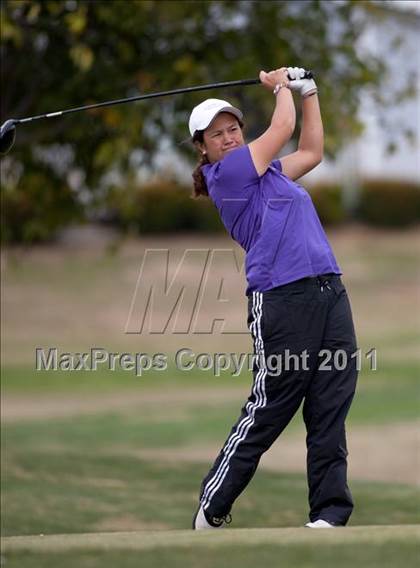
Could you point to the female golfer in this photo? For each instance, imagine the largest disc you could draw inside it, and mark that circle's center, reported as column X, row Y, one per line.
column 297, row 305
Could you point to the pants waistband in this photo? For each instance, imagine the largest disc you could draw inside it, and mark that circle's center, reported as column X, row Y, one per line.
column 318, row 280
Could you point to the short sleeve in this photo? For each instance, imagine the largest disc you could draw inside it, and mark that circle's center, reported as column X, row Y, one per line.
column 234, row 173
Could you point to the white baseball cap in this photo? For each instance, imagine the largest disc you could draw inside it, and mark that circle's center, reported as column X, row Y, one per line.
column 203, row 114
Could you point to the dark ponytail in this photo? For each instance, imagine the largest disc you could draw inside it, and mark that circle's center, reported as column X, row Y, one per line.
column 199, row 181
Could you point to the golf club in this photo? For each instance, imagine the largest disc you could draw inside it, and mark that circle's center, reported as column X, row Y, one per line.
column 8, row 129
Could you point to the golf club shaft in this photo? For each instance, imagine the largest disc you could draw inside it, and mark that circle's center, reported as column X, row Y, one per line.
column 8, row 129
column 142, row 97
column 149, row 96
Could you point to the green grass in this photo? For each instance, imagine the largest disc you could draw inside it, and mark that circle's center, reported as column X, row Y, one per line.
column 390, row 394
column 28, row 380
column 373, row 547
column 385, row 555
column 147, row 428
column 85, row 475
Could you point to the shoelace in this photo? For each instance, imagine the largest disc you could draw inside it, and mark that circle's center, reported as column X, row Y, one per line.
column 225, row 519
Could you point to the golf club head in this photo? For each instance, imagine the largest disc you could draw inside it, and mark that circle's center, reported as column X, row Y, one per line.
column 7, row 136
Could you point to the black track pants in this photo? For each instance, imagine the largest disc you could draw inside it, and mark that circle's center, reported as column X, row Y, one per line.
column 291, row 326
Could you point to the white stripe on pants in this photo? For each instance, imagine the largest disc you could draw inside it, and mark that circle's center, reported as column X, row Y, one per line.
column 260, row 401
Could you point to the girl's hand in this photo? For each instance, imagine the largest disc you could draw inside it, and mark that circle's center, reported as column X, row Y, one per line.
column 305, row 87
column 273, row 78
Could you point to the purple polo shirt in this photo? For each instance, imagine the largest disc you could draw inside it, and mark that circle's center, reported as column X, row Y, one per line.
column 272, row 218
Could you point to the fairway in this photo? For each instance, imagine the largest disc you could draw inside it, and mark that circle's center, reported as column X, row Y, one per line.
column 292, row 547
column 144, row 540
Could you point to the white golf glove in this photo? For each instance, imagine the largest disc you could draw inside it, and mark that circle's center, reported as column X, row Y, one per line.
column 297, row 83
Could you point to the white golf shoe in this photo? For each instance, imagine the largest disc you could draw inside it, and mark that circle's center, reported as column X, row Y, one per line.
column 201, row 521
column 320, row 524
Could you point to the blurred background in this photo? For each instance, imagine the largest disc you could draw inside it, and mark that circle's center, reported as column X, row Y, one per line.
column 84, row 198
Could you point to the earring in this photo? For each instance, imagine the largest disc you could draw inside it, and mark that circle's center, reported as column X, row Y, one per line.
column 204, row 153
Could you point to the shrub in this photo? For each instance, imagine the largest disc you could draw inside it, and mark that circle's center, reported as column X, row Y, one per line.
column 35, row 209
column 328, row 201
column 161, row 207
column 389, row 203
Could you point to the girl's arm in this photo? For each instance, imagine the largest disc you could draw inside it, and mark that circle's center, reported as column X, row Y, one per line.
column 311, row 141
column 265, row 148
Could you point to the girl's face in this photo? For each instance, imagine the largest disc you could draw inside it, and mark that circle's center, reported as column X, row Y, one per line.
column 222, row 136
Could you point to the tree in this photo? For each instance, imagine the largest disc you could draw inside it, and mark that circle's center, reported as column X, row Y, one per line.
column 61, row 54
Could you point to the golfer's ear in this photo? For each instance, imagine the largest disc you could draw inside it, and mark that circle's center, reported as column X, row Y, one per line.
column 200, row 146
